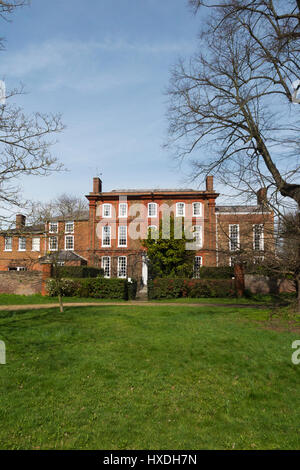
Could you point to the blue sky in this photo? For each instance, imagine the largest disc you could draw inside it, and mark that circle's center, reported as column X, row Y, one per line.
column 104, row 64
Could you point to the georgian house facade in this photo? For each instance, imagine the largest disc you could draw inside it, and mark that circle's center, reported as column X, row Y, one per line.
column 110, row 235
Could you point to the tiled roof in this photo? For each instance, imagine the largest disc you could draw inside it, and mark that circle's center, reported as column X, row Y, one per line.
column 245, row 209
column 25, row 229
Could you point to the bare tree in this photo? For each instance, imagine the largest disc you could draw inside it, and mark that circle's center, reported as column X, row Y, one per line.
column 64, row 207
column 234, row 99
column 25, row 140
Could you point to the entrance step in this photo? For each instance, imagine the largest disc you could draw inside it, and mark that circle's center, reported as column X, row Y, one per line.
column 142, row 294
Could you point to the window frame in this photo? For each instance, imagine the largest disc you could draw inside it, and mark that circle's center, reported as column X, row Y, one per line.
column 119, row 231
column 200, row 206
column 261, row 241
column 149, row 205
column 177, row 206
column 195, row 275
column 102, row 240
column 126, row 211
column 72, row 237
column 5, row 243
column 238, row 238
column 36, row 238
column 50, row 229
column 68, row 223
column 200, row 231
column 49, row 243
column 119, row 258
column 20, row 240
column 110, row 210
column 109, row 266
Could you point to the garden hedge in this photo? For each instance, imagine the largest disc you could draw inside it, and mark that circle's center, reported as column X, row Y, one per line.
column 74, row 272
column 99, row 287
column 170, row 288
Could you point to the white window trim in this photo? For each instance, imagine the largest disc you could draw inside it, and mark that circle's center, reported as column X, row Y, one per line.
column 106, row 246
column 53, row 249
column 122, row 246
column 238, row 237
column 177, row 205
column 19, row 242
column 125, row 257
column 53, row 223
column 69, row 231
column 126, row 205
column 8, row 249
column 69, row 249
column 102, row 265
column 155, row 205
column 110, row 210
column 200, row 265
column 198, row 244
column 201, row 209
column 261, row 240
column 36, row 238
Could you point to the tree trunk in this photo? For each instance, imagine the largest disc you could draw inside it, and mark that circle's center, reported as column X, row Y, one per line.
column 61, row 307
column 239, row 279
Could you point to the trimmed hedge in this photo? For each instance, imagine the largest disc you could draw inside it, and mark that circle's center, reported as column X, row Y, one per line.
column 166, row 288
column 74, row 272
column 99, row 287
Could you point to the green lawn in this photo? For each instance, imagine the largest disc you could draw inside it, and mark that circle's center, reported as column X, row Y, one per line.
column 13, row 299
column 147, row 378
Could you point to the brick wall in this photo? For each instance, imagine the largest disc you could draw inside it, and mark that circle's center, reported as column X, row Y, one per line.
column 22, row 283
column 245, row 222
column 266, row 285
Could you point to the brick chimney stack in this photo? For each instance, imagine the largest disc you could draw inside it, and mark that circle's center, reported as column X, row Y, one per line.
column 210, row 184
column 97, row 185
column 20, row 221
column 261, row 196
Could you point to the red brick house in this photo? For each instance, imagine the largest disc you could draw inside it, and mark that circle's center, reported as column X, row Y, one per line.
column 109, row 237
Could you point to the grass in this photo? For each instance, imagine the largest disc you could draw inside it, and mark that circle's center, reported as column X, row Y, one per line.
column 251, row 299
column 147, row 378
column 14, row 299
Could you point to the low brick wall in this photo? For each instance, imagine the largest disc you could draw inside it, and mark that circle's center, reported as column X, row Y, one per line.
column 20, row 282
column 266, row 285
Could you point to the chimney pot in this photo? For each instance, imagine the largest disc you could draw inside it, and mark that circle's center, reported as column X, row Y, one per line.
column 210, row 183
column 20, row 221
column 97, row 185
